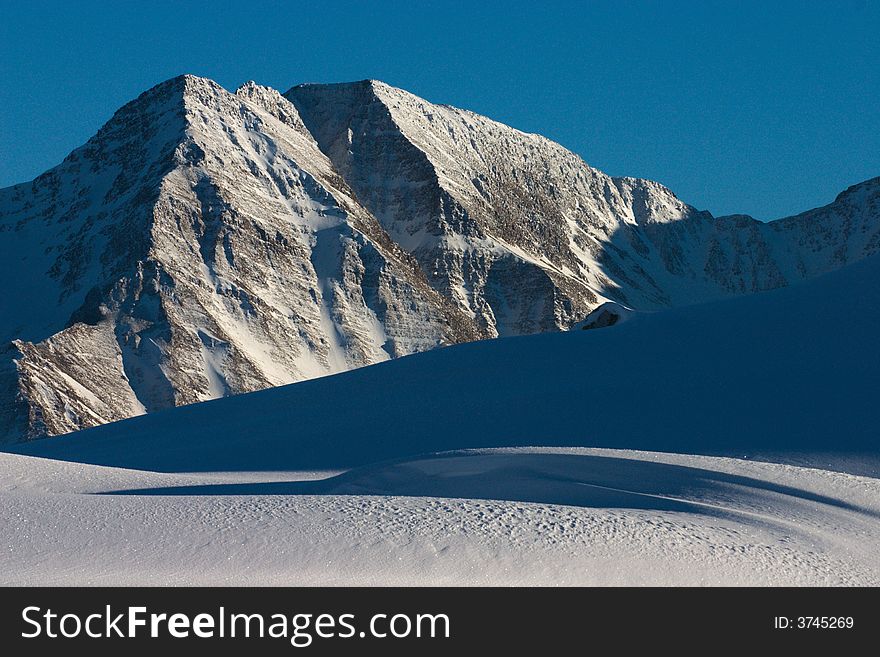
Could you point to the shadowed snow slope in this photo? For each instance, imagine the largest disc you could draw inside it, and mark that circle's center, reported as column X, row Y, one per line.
column 792, row 374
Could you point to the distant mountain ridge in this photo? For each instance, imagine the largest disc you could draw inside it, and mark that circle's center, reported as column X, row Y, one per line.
column 206, row 243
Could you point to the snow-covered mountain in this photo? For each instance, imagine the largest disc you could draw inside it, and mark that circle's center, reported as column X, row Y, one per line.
column 207, row 243
column 199, row 245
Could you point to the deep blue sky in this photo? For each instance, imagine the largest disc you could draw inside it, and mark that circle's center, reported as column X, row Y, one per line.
column 738, row 107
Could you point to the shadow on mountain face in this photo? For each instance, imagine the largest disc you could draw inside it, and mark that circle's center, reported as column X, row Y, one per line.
column 793, row 370
column 569, row 479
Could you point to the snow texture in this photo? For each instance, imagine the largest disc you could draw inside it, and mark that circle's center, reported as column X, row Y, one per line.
column 513, row 516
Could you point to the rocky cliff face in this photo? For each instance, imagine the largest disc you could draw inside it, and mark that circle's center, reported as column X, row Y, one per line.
column 206, row 243
column 511, row 226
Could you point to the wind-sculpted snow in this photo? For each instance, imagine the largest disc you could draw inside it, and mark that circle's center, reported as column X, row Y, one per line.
column 524, row 516
column 205, row 243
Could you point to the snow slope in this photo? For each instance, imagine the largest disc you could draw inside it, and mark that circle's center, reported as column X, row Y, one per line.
column 515, row 516
column 792, row 371
column 365, row 477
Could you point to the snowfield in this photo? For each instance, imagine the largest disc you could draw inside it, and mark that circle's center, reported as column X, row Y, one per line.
column 416, row 471
column 533, row 516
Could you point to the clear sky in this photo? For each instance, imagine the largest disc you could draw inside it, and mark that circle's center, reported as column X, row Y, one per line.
column 767, row 108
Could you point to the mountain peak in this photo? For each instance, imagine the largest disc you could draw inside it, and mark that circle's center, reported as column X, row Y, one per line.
column 179, row 85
